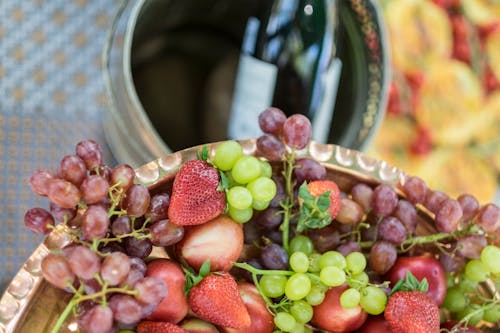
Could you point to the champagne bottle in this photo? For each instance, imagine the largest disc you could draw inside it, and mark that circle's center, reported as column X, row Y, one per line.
column 288, row 61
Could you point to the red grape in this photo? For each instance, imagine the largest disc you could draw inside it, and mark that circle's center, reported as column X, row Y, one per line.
column 90, row 152
column 121, row 226
column 137, row 200
column 384, row 200
column 383, row 255
column 151, row 290
column 448, row 216
column 392, row 230
column 140, row 248
column 434, row 199
column 307, row 169
column 407, row 214
column 274, row 256
column 350, row 212
column 56, row 270
column 362, row 194
column 95, row 222
column 470, row 247
column 488, row 218
column 164, row 233
column 297, row 131
column 415, row 189
column 122, row 176
column 270, row 147
column 158, row 207
column 470, row 207
column 126, row 309
column 94, row 189
column 271, row 120
column 38, row 220
column 98, row 319
column 115, row 268
column 63, row 193
column 39, row 182
column 62, row 214
column 72, row 168
column 84, row 262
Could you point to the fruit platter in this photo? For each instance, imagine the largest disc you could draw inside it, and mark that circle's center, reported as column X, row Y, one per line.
column 273, row 234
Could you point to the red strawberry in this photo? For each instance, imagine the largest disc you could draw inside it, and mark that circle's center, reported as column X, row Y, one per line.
column 159, row 327
column 196, row 197
column 318, row 187
column 216, row 299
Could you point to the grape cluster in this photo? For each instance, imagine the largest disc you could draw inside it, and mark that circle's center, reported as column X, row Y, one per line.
column 462, row 296
column 113, row 224
column 249, row 180
column 293, row 292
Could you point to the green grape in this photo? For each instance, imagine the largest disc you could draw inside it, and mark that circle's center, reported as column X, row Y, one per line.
column 240, row 215
column 284, row 321
column 262, row 189
column 332, row 276
column 358, row 280
column 450, row 280
column 297, row 286
column 307, row 330
column 492, row 314
column 476, row 270
column 299, row 262
column 246, row 169
column 303, row 244
column 301, row 311
column 332, row 258
column 260, row 205
column 350, row 298
column 373, row 300
column 266, row 169
column 455, row 300
column 467, row 286
column 273, row 285
column 314, row 263
column 239, row 197
column 490, row 256
column 226, row 154
column 315, row 296
column 355, row 262
column 298, row 328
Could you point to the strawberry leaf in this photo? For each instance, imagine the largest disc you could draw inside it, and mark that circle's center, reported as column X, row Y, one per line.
column 313, row 211
column 224, row 181
column 205, row 269
column 203, row 154
column 410, row 283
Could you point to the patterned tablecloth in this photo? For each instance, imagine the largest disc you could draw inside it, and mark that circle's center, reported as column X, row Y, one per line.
column 51, row 96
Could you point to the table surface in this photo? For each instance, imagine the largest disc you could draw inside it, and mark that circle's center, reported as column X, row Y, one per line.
column 52, row 95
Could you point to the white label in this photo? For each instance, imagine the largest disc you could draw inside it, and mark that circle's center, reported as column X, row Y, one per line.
column 253, row 93
column 322, row 122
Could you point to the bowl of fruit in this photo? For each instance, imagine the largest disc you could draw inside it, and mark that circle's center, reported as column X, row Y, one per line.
column 273, row 234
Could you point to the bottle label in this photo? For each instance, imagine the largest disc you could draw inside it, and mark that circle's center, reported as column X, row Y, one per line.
column 322, row 121
column 253, row 93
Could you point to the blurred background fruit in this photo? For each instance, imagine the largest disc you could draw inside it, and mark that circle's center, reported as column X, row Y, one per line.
column 443, row 115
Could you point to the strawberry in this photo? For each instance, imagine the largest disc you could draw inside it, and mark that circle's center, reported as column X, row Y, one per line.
column 216, row 299
column 159, row 327
column 318, row 187
column 196, row 197
column 410, row 310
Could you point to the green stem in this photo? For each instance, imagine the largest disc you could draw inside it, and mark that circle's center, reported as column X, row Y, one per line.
column 64, row 315
column 419, row 240
column 288, row 204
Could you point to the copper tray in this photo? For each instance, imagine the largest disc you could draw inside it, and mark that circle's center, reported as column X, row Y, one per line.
column 30, row 304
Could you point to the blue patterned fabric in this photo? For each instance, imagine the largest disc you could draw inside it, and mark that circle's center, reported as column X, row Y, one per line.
column 51, row 96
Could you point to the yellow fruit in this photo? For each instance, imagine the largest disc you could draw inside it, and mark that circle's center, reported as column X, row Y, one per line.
column 451, row 100
column 419, row 33
column 482, row 12
column 493, row 52
column 488, row 136
column 456, row 171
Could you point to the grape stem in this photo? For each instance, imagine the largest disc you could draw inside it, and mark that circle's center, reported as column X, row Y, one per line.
column 419, row 240
column 289, row 202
